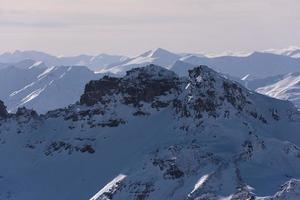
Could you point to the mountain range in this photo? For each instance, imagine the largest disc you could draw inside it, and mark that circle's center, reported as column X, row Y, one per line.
column 260, row 64
column 21, row 85
column 92, row 62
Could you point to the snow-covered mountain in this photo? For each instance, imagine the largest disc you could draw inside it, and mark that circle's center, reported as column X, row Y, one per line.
column 92, row 62
column 257, row 64
column 291, row 51
column 285, row 87
column 16, row 76
column 158, row 56
column 154, row 135
column 43, row 88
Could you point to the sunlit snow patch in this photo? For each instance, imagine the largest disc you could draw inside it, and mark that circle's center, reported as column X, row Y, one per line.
column 188, row 85
column 35, row 64
column 111, row 187
column 47, row 71
column 199, row 79
column 32, row 96
column 200, row 182
column 17, row 92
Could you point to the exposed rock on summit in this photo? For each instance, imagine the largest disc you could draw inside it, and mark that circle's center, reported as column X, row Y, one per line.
column 139, row 85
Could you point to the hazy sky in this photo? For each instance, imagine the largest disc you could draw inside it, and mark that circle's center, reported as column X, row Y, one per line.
column 131, row 26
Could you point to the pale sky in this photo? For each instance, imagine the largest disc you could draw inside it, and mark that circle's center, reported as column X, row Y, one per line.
column 129, row 27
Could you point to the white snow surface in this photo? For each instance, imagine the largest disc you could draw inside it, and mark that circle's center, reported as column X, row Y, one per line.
column 288, row 88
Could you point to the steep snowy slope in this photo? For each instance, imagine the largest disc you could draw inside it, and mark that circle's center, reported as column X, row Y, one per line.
column 92, row 62
column 153, row 135
column 286, row 88
column 16, row 76
column 51, row 88
column 158, row 56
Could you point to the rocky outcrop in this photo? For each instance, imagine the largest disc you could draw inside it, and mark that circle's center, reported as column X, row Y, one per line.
column 288, row 191
column 203, row 93
column 3, row 111
column 139, row 84
column 24, row 112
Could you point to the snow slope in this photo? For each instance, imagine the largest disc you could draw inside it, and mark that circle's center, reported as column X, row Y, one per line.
column 154, row 135
column 16, row 76
column 287, row 88
column 43, row 88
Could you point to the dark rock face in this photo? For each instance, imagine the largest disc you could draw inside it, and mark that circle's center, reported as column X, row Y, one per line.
column 3, row 111
column 140, row 84
column 171, row 171
column 204, row 93
column 234, row 95
column 61, row 146
column 147, row 90
column 95, row 90
column 26, row 113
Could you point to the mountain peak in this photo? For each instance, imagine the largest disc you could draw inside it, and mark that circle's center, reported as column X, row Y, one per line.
column 151, row 71
column 159, row 52
column 139, row 84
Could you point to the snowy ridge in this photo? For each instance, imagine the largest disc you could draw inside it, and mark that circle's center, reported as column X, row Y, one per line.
column 258, row 64
column 158, row 56
column 292, row 51
column 92, row 62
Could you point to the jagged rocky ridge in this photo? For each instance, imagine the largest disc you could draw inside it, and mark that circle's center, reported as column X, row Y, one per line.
column 154, row 135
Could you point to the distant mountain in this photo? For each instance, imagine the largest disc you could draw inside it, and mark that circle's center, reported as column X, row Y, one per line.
column 23, row 64
column 16, row 76
column 291, row 51
column 285, row 87
column 158, row 56
column 43, row 88
column 92, row 62
column 257, row 64
column 153, row 135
